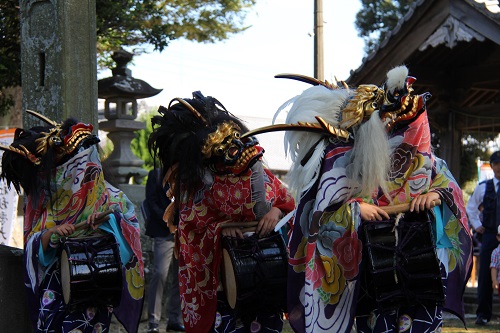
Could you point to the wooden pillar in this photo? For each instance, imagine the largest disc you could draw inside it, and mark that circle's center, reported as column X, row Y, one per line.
column 319, row 72
column 58, row 59
column 451, row 146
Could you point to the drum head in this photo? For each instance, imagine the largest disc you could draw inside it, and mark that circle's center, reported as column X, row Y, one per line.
column 65, row 277
column 229, row 279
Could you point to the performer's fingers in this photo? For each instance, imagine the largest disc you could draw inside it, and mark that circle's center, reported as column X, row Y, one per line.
column 264, row 227
column 263, row 230
column 419, row 206
column 425, row 204
column 412, row 204
column 382, row 214
column 258, row 228
column 66, row 229
column 71, row 228
column 416, row 204
column 232, row 232
column 93, row 218
column 226, row 232
column 238, row 233
column 430, row 204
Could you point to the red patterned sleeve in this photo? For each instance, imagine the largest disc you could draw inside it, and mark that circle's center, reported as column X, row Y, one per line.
column 278, row 193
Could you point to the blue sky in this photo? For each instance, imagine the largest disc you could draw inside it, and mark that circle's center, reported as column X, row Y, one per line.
column 240, row 71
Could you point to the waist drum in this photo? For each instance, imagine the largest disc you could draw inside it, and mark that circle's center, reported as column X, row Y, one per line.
column 91, row 272
column 402, row 266
column 254, row 272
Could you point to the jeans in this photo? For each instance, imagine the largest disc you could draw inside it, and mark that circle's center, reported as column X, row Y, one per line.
column 164, row 263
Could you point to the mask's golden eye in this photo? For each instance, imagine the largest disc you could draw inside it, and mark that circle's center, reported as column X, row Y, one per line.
column 56, row 140
column 236, row 135
column 219, row 151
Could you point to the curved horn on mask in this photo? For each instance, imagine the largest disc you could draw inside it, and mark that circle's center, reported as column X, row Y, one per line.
column 190, row 108
column 321, row 127
column 307, row 79
column 23, row 152
column 42, row 117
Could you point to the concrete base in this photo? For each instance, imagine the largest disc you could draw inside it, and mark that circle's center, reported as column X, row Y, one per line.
column 13, row 312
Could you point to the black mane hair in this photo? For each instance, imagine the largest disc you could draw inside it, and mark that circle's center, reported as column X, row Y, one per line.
column 178, row 136
column 20, row 171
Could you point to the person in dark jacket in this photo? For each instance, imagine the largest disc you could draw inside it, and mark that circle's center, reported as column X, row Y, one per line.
column 164, row 261
column 484, row 201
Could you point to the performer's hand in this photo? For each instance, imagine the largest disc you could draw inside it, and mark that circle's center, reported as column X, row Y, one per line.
column 63, row 229
column 371, row 212
column 93, row 220
column 268, row 222
column 424, row 202
column 232, row 232
column 494, row 284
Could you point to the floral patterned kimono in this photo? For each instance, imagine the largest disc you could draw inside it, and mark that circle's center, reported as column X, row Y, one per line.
column 325, row 293
column 79, row 189
column 222, row 198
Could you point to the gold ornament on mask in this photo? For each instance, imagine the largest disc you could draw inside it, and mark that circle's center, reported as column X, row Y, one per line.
column 50, row 139
column 219, row 142
column 367, row 99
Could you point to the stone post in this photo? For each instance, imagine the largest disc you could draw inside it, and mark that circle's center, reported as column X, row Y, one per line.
column 121, row 92
column 59, row 80
column 58, row 59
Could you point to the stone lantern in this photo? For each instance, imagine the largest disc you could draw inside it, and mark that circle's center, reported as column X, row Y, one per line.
column 121, row 92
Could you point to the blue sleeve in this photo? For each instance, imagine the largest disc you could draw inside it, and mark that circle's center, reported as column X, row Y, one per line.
column 46, row 258
column 443, row 215
column 112, row 226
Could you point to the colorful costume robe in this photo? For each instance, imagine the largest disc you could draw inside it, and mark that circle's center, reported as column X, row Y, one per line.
column 226, row 198
column 326, row 253
column 79, row 189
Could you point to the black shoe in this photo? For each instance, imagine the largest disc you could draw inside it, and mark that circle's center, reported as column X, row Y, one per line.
column 481, row 321
column 176, row 328
column 152, row 329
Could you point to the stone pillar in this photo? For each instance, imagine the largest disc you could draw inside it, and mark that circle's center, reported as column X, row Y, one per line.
column 59, row 80
column 58, row 59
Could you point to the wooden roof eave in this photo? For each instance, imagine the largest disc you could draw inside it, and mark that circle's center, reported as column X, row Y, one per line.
column 424, row 18
column 478, row 19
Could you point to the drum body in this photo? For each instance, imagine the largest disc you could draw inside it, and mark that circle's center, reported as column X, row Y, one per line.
column 254, row 273
column 402, row 267
column 91, row 272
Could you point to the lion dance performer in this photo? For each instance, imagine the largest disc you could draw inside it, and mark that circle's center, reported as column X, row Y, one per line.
column 357, row 156
column 68, row 200
column 215, row 178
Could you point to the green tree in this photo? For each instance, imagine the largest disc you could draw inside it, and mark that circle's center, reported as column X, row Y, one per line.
column 138, row 24
column 141, row 23
column 377, row 18
column 10, row 52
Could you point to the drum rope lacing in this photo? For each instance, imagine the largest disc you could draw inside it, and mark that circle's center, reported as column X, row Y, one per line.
column 396, row 236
